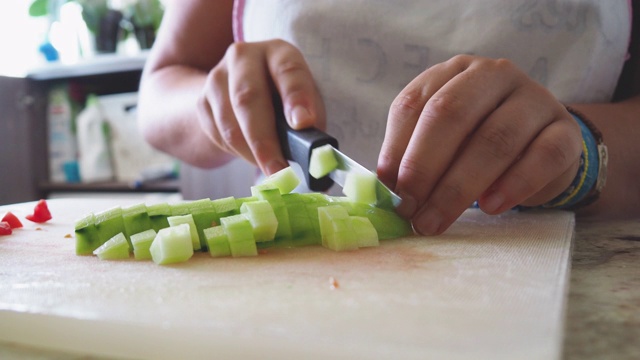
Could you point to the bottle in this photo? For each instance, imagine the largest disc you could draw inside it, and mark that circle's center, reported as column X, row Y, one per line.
column 62, row 140
column 93, row 143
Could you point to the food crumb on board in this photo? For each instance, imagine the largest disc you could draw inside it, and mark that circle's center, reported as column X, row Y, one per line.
column 333, row 283
column 38, row 228
column 68, row 236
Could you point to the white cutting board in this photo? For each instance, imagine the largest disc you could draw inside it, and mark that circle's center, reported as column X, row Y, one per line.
column 489, row 288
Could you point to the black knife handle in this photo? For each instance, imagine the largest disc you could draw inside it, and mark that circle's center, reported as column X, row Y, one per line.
column 297, row 145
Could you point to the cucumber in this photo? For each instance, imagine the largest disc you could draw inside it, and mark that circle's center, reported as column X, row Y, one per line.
column 217, row 241
column 116, row 248
column 142, row 243
column 158, row 214
column 360, row 187
column 262, row 218
column 285, row 180
column 135, row 219
column 366, row 234
column 238, row 227
column 193, row 231
column 336, row 228
column 322, row 161
column 172, row 245
column 87, row 237
column 240, row 234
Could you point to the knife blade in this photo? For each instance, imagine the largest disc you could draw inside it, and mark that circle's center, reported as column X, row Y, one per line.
column 297, row 146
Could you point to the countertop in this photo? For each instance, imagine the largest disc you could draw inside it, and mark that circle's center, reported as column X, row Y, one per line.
column 603, row 313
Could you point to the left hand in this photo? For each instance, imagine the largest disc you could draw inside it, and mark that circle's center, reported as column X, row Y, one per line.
column 474, row 128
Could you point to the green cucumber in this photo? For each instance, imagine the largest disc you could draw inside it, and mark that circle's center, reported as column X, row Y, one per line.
column 262, row 218
column 322, row 161
column 365, row 232
column 336, row 228
column 116, row 248
column 226, row 206
column 217, row 241
column 240, row 234
column 87, row 237
column 158, row 214
column 108, row 224
column 271, row 193
column 187, row 219
column 135, row 219
column 360, row 187
column 172, row 245
column 181, row 208
column 204, row 216
column 285, row 180
column 142, row 243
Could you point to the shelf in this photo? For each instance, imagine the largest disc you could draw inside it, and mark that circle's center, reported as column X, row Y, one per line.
column 97, row 65
column 166, row 186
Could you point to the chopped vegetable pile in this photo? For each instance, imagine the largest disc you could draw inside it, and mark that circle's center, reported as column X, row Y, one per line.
column 237, row 227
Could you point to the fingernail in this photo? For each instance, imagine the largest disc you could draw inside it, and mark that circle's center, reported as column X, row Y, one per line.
column 274, row 166
column 408, row 206
column 299, row 116
column 493, row 202
column 428, row 223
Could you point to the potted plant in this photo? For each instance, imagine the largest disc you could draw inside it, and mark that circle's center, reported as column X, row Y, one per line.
column 145, row 17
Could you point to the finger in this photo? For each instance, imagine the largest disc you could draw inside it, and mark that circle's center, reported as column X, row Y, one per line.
column 546, row 169
column 404, row 114
column 250, row 95
column 449, row 117
column 496, row 144
column 293, row 80
column 214, row 109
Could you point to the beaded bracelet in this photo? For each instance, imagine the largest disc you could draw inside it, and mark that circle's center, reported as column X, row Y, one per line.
column 591, row 177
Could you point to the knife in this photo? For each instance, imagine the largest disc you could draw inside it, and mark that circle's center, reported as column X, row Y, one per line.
column 297, row 146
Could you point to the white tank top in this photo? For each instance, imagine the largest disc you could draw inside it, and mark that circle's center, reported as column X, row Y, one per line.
column 362, row 53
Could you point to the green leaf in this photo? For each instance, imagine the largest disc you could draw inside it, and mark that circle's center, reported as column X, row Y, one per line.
column 39, row 8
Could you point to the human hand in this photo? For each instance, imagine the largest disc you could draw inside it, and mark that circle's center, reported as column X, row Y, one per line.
column 474, row 128
column 235, row 109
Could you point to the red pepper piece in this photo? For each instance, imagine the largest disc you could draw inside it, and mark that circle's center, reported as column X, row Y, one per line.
column 13, row 220
column 41, row 212
column 5, row 228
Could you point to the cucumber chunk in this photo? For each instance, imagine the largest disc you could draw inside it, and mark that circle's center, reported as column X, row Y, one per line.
column 366, row 234
column 158, row 214
column 180, row 208
column 217, row 241
column 116, row 248
column 172, row 245
column 360, row 187
column 108, row 224
column 187, row 219
column 285, row 180
column 142, row 243
column 87, row 237
column 135, row 219
column 226, row 206
column 262, row 218
column 336, row 228
column 204, row 216
column 322, row 161
column 240, row 234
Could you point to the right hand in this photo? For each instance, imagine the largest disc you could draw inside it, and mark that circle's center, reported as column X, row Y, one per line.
column 235, row 109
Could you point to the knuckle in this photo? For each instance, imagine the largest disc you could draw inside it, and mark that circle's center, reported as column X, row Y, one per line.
column 237, row 50
column 443, row 105
column 232, row 136
column 556, row 151
column 452, row 192
column 289, row 67
column 245, row 95
column 408, row 102
column 498, row 141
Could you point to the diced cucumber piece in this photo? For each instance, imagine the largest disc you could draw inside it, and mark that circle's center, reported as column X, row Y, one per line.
column 267, row 192
column 87, row 237
column 285, row 180
column 217, row 241
column 366, row 234
column 116, row 248
column 360, row 187
column 226, row 206
column 204, row 216
column 388, row 224
column 172, row 245
column 109, row 223
column 142, row 243
column 322, row 161
column 240, row 234
column 336, row 228
column 158, row 214
column 181, row 208
column 242, row 200
column 272, row 194
column 135, row 219
column 262, row 218
column 187, row 219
